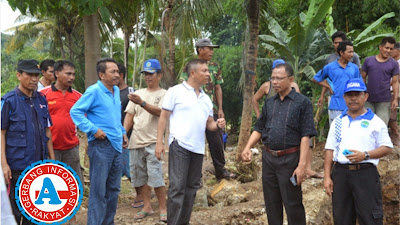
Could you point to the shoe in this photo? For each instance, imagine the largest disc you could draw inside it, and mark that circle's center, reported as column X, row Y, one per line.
column 227, row 175
column 136, row 205
column 163, row 218
column 142, row 214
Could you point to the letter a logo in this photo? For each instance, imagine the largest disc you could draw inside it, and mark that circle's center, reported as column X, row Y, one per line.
column 48, row 191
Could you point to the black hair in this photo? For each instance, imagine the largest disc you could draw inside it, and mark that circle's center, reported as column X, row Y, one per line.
column 288, row 68
column 342, row 46
column 339, row 34
column 101, row 65
column 122, row 69
column 59, row 66
column 44, row 65
column 192, row 64
column 385, row 40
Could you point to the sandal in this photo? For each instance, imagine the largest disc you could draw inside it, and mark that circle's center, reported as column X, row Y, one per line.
column 142, row 214
column 163, row 218
column 135, row 205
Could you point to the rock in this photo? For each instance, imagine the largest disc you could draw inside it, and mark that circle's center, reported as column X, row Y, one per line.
column 201, row 198
column 228, row 192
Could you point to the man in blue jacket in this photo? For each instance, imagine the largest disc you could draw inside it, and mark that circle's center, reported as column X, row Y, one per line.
column 25, row 133
column 102, row 106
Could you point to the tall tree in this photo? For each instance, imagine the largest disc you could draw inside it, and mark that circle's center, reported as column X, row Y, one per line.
column 253, row 15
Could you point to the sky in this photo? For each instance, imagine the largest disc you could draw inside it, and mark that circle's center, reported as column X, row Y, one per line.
column 7, row 16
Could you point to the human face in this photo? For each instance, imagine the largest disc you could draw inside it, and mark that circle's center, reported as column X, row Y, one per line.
column 347, row 55
column 152, row 79
column 200, row 74
column 206, row 53
column 28, row 81
column 385, row 50
column 66, row 76
column 280, row 80
column 395, row 53
column 111, row 75
column 355, row 100
column 49, row 73
column 336, row 42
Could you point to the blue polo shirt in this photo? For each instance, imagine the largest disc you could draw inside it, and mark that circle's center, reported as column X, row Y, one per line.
column 103, row 110
column 338, row 76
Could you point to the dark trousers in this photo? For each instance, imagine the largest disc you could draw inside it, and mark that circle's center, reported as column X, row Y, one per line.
column 216, row 146
column 184, row 180
column 277, row 188
column 356, row 194
column 17, row 213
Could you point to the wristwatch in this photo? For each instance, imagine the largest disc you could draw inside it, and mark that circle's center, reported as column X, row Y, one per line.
column 367, row 156
column 143, row 104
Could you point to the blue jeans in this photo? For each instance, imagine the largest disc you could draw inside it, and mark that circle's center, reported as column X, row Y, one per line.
column 105, row 181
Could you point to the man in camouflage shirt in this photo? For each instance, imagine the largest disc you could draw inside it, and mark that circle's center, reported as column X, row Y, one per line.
column 205, row 50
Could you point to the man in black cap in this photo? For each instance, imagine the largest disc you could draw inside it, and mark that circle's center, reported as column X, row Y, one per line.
column 205, row 51
column 24, row 113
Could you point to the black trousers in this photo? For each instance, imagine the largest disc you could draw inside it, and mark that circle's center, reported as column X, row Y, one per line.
column 278, row 190
column 216, row 145
column 184, row 180
column 356, row 194
column 17, row 213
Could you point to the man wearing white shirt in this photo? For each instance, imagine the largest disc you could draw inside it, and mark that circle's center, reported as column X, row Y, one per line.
column 352, row 179
column 190, row 113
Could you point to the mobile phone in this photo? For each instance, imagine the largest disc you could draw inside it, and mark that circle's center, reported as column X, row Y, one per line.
column 293, row 179
column 131, row 90
column 347, row 152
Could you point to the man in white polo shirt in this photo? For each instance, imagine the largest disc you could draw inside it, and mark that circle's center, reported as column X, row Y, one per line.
column 356, row 141
column 190, row 112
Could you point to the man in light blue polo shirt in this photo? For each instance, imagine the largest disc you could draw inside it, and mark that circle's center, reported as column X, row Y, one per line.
column 102, row 124
column 339, row 72
column 190, row 113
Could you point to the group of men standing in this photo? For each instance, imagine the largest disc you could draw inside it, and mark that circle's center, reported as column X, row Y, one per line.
column 48, row 119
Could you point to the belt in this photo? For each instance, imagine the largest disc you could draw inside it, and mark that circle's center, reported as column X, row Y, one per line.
column 354, row 166
column 278, row 153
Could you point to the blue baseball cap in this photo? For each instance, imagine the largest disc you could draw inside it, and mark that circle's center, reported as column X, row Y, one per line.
column 355, row 84
column 277, row 62
column 151, row 66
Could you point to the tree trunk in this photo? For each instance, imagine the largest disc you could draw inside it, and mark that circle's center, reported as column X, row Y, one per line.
column 136, row 51
column 69, row 41
column 92, row 47
column 126, row 48
column 168, row 23
column 252, row 11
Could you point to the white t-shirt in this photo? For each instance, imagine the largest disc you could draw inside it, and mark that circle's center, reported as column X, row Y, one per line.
column 364, row 133
column 144, row 131
column 189, row 115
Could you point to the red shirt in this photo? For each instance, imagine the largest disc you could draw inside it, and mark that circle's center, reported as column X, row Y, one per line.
column 63, row 129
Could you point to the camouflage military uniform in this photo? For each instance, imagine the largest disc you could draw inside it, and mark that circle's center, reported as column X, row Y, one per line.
column 209, row 88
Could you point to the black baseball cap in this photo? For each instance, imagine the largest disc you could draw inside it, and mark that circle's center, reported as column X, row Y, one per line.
column 205, row 42
column 29, row 66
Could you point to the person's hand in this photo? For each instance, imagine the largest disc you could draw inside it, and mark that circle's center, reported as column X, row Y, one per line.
column 246, row 155
column 100, row 134
column 356, row 157
column 395, row 104
column 328, row 186
column 159, row 151
column 135, row 98
column 221, row 113
column 6, row 172
column 300, row 172
column 221, row 123
column 321, row 101
column 124, row 141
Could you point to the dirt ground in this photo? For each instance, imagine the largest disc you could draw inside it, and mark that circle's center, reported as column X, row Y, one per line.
column 251, row 210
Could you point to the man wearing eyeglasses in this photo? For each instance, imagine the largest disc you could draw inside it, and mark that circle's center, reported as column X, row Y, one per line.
column 285, row 127
column 339, row 72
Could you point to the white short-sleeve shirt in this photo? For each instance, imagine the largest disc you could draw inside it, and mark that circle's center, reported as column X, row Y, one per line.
column 364, row 133
column 189, row 115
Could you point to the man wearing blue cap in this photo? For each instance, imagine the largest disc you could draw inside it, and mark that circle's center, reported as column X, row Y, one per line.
column 356, row 141
column 143, row 112
column 25, row 132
